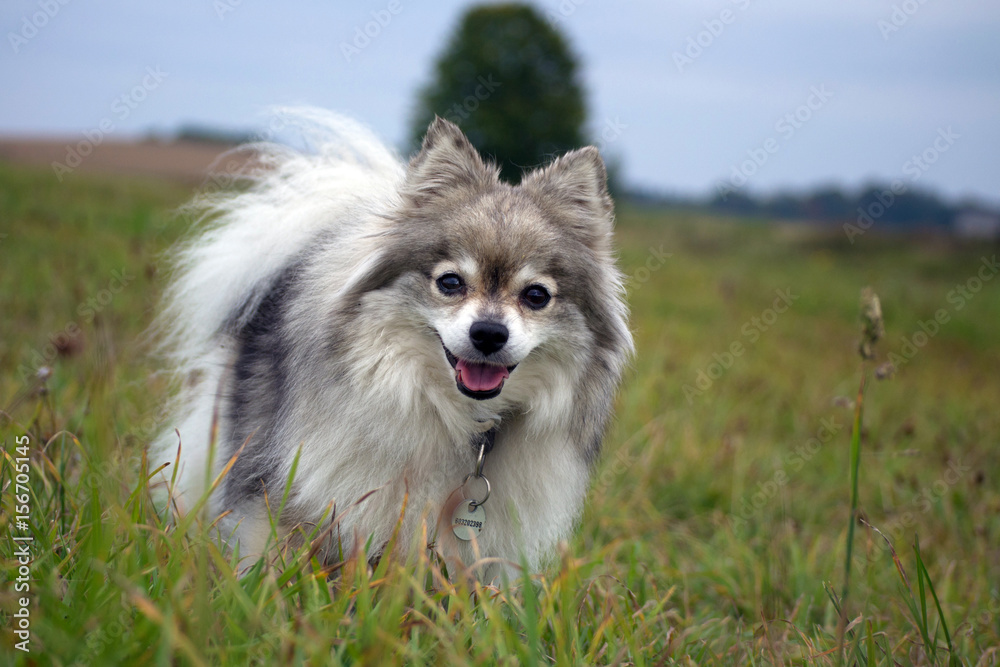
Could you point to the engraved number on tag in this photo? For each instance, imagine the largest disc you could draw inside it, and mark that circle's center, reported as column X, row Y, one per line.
column 468, row 523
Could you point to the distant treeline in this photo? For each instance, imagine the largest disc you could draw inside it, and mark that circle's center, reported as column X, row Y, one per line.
column 212, row 135
column 870, row 204
column 888, row 205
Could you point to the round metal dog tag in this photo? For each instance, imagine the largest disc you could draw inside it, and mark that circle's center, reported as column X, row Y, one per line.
column 467, row 523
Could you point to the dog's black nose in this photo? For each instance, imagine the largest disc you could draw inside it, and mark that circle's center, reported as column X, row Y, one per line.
column 488, row 337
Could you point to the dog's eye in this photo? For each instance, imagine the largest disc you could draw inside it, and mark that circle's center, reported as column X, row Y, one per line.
column 450, row 283
column 535, row 297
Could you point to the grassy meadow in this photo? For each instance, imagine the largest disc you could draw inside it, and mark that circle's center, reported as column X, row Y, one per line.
column 716, row 530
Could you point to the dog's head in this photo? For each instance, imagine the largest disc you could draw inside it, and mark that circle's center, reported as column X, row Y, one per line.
column 504, row 275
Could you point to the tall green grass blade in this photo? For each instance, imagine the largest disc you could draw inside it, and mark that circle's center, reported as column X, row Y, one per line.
column 854, row 468
column 924, row 575
column 870, row 645
column 855, row 465
column 930, row 646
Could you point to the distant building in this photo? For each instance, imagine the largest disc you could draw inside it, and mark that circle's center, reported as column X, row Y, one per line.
column 980, row 225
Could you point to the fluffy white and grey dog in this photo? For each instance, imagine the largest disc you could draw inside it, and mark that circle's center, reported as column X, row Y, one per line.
column 380, row 328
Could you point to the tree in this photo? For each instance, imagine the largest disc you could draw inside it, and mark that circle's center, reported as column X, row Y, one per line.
column 509, row 80
column 828, row 204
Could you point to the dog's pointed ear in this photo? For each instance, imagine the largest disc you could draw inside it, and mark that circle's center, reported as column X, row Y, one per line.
column 573, row 191
column 447, row 162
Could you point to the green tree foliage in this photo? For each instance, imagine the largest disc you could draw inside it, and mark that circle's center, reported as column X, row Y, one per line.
column 509, row 80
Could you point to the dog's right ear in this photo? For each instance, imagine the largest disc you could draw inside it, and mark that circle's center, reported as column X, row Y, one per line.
column 447, row 163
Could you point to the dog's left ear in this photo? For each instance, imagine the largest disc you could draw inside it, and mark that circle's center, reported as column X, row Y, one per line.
column 573, row 191
column 447, row 164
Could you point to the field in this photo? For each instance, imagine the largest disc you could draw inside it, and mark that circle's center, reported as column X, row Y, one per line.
column 716, row 531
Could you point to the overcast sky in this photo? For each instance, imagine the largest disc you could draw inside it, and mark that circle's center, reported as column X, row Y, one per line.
column 782, row 93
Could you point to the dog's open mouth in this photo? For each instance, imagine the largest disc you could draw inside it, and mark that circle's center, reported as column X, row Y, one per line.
column 478, row 380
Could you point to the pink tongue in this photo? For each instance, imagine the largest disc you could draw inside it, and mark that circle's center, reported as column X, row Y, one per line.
column 480, row 377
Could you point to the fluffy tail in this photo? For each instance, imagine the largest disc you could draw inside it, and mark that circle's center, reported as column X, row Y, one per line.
column 243, row 240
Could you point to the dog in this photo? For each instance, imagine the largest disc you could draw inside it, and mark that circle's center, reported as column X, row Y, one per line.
column 370, row 347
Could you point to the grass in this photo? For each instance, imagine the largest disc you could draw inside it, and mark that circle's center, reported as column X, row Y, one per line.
column 716, row 530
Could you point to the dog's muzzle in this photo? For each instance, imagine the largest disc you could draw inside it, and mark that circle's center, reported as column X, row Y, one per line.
column 478, row 380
